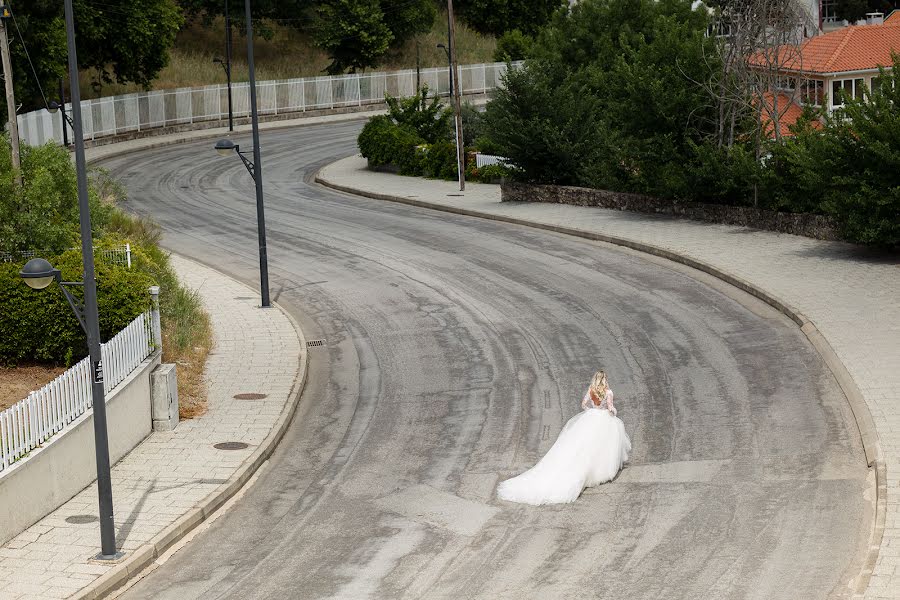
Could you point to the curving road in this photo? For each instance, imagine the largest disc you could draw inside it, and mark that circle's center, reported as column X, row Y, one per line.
column 456, row 349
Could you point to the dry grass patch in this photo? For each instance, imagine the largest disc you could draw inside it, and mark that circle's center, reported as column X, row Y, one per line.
column 289, row 54
column 17, row 382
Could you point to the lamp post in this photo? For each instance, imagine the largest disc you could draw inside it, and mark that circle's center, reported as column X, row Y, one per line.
column 226, row 147
column 55, row 106
column 456, row 121
column 62, row 105
column 226, row 65
column 38, row 275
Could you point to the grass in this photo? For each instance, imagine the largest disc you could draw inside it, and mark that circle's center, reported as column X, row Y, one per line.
column 288, row 54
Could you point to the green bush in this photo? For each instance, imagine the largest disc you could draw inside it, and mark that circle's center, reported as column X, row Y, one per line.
column 513, row 45
column 439, row 161
column 429, row 119
column 39, row 324
column 42, row 214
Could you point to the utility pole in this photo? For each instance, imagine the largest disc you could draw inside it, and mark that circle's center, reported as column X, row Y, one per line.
column 457, row 105
column 10, row 94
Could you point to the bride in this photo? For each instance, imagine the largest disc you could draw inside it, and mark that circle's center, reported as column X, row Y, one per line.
column 590, row 450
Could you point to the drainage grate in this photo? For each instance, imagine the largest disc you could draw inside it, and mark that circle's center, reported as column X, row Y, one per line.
column 456, row 195
column 243, row 297
column 315, row 343
column 250, row 396
column 82, row 519
column 230, row 446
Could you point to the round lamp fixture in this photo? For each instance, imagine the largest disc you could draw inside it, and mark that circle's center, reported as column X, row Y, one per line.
column 224, row 147
column 38, row 273
column 53, row 108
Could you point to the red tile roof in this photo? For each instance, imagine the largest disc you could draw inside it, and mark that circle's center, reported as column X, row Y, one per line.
column 893, row 18
column 788, row 113
column 854, row 48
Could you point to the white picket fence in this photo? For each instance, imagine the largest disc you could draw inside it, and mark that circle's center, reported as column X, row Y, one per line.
column 116, row 115
column 118, row 255
column 29, row 423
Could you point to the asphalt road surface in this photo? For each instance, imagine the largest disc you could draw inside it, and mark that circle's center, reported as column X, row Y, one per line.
column 456, row 348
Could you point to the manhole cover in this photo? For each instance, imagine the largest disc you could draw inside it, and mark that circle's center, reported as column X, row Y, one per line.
column 82, row 519
column 230, row 446
column 249, row 396
column 315, row 343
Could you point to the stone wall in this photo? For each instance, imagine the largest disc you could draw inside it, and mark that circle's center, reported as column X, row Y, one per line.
column 814, row 226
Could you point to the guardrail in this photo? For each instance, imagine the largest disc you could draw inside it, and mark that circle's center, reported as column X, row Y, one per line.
column 30, row 422
column 130, row 113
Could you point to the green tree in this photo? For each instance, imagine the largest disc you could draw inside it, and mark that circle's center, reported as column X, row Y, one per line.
column 513, row 45
column 358, row 33
column 496, row 17
column 123, row 41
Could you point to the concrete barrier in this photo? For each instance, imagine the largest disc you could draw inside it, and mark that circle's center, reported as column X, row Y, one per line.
column 50, row 476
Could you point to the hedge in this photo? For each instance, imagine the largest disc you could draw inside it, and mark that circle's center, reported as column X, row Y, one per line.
column 39, row 324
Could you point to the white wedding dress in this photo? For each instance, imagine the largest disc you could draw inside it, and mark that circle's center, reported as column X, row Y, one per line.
column 590, row 449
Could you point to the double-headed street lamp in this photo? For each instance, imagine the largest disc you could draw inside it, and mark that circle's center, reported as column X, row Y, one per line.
column 226, row 147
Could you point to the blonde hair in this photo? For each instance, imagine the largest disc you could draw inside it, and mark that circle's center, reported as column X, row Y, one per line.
column 599, row 385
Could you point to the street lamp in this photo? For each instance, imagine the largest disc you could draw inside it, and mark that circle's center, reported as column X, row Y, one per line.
column 226, row 65
column 223, row 147
column 39, row 274
column 55, row 106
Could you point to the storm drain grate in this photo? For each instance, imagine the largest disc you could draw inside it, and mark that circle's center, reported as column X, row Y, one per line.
column 250, row 396
column 82, row 519
column 230, row 446
column 243, row 297
column 315, row 343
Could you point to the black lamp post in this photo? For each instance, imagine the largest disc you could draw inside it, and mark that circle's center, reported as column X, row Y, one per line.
column 40, row 274
column 55, row 106
column 449, row 65
column 226, row 66
column 225, row 147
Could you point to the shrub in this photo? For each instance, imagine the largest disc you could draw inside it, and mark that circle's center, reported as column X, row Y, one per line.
column 439, row 161
column 43, row 213
column 40, row 325
column 513, row 45
column 429, row 119
column 472, row 123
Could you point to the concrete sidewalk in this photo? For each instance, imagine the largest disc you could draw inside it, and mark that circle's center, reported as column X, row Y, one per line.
column 173, row 481
column 846, row 299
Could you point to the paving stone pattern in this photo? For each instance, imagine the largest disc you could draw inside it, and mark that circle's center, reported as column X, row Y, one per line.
column 851, row 294
column 170, row 473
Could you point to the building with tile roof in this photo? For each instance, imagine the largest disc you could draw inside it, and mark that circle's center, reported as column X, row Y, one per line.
column 830, row 67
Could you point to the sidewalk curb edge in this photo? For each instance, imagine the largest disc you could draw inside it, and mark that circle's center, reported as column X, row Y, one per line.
column 140, row 559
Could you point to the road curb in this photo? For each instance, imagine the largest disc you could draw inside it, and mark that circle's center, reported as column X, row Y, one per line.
column 861, row 413
column 138, row 560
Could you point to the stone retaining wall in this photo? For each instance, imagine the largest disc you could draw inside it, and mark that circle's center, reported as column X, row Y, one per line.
column 814, row 226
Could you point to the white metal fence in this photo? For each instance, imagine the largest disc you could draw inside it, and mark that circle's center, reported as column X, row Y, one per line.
column 118, row 255
column 115, row 115
column 29, row 423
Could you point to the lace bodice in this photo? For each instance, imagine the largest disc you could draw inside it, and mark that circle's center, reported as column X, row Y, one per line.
column 605, row 403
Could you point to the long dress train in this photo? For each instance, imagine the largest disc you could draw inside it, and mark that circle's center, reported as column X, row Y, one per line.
column 590, row 449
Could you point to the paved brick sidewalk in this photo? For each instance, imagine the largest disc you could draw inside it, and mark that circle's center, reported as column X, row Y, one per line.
column 169, row 474
column 851, row 296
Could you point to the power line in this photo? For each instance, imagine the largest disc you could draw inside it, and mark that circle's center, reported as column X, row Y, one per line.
column 28, row 56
